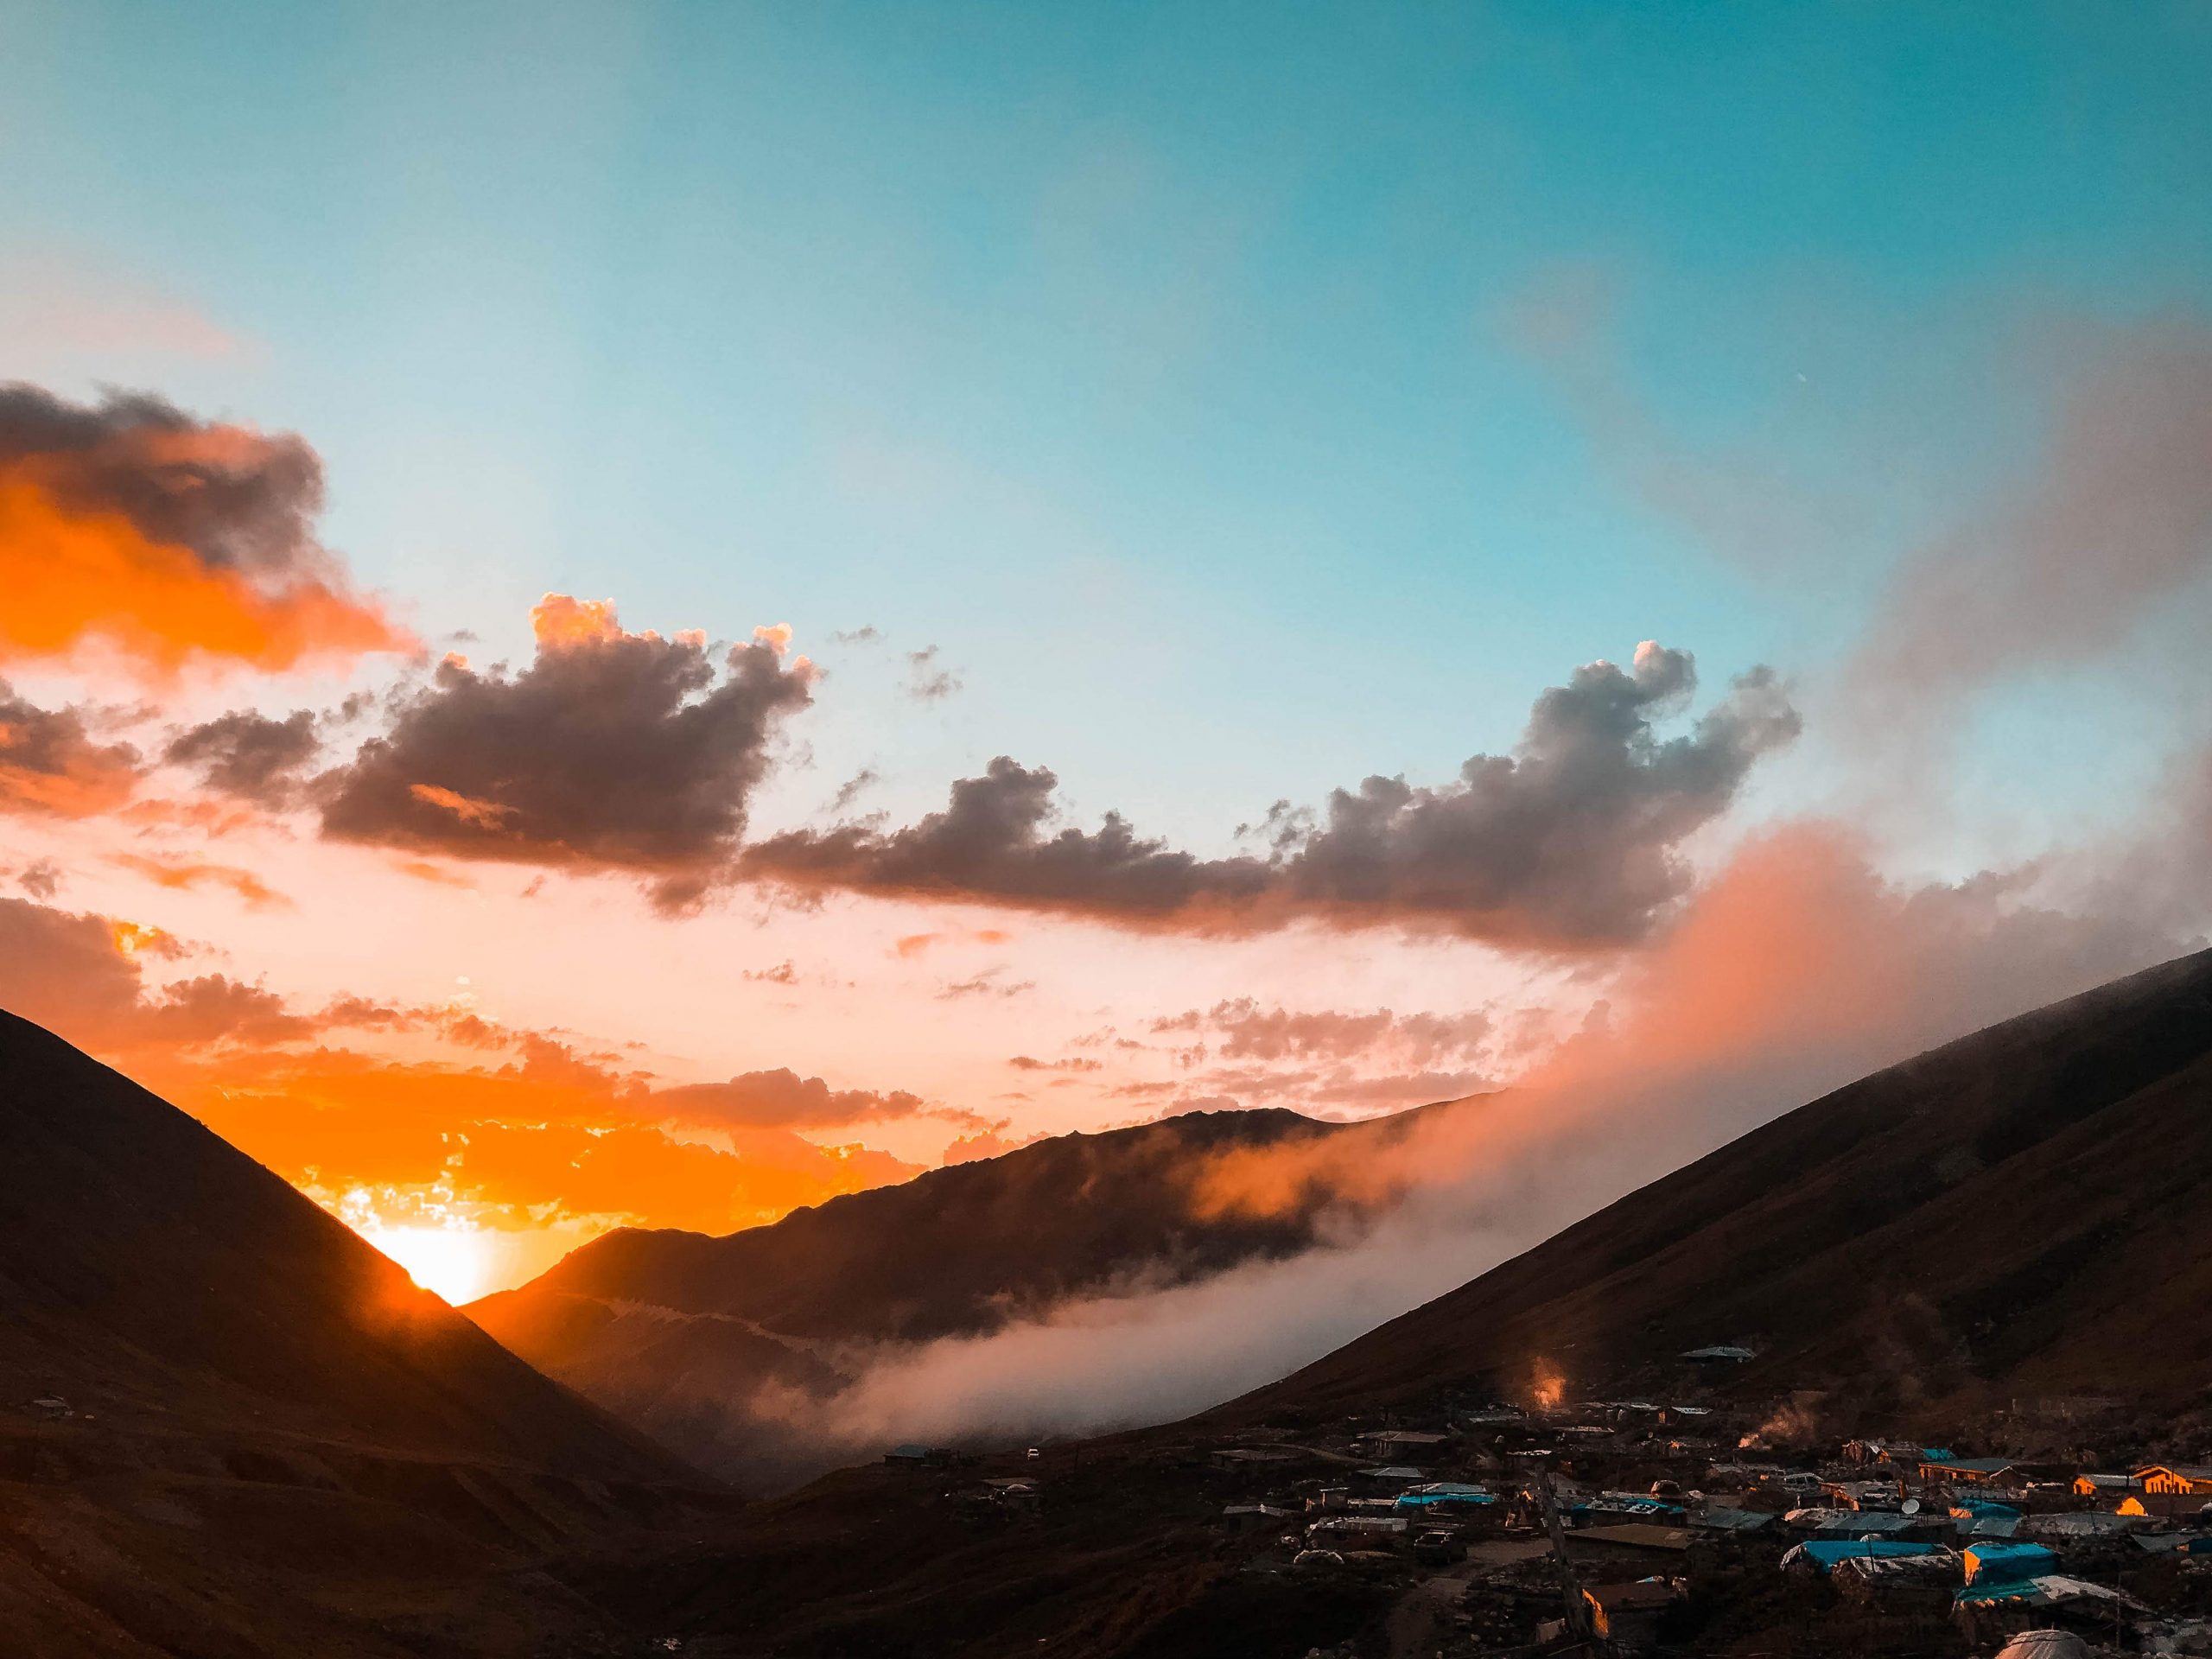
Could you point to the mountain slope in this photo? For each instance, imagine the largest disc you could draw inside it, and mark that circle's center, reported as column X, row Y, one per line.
column 228, row 1426
column 679, row 1332
column 2027, row 1210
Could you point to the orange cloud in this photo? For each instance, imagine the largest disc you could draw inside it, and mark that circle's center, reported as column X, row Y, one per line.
column 1796, row 969
column 50, row 762
column 167, row 540
column 185, row 874
column 560, row 620
column 480, row 814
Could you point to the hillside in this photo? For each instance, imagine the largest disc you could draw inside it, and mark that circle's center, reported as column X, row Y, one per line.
column 227, row 1425
column 2025, row 1211
column 678, row 1331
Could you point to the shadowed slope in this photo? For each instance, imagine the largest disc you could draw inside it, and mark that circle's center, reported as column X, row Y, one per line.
column 229, row 1427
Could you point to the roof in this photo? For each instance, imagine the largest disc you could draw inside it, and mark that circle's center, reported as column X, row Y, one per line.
column 1825, row 1553
column 1731, row 1520
column 2006, row 1560
column 2045, row 1644
column 1635, row 1534
column 2077, row 1524
column 1257, row 1454
column 1394, row 1472
column 2186, row 1471
column 2044, row 1590
column 1985, row 1509
column 1720, row 1351
column 1940, row 1564
column 1407, row 1436
column 1856, row 1523
column 1974, row 1465
column 1643, row 1593
column 2170, row 1543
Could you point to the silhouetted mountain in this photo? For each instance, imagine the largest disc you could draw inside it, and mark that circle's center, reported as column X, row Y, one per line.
column 228, row 1426
column 2027, row 1211
column 679, row 1332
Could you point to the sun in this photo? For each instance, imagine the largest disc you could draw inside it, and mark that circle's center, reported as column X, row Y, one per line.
column 454, row 1262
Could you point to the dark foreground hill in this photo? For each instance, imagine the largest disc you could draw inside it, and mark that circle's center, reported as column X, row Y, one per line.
column 2025, row 1212
column 228, row 1426
column 679, row 1332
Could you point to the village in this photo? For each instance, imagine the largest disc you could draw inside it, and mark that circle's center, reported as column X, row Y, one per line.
column 1649, row 1526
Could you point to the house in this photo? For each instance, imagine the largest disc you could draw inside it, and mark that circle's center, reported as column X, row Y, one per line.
column 1378, row 1527
column 1862, row 1494
column 1439, row 1547
column 1899, row 1585
column 1251, row 1517
column 2105, row 1485
column 1977, row 1472
column 1389, row 1440
column 1634, row 1537
column 2171, row 1505
column 2176, row 1479
column 1627, row 1615
column 1880, row 1451
column 1245, row 1459
column 2076, row 1526
column 1734, row 1522
column 907, row 1456
column 1391, row 1479
column 1721, row 1354
column 1989, row 1563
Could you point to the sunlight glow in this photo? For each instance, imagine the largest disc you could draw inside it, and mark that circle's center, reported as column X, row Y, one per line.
column 454, row 1262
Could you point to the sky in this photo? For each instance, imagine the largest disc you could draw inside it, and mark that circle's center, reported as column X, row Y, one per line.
column 640, row 615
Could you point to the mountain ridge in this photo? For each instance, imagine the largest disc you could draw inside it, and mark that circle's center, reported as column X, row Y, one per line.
column 1982, row 1215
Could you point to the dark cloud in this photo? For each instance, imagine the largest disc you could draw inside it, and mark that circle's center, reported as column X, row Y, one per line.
column 781, row 1099
column 50, row 762
column 851, row 790
column 167, row 537
column 248, row 754
column 1249, row 1030
column 610, row 751
column 41, row 877
column 1569, row 843
column 78, row 975
column 991, row 981
column 926, row 681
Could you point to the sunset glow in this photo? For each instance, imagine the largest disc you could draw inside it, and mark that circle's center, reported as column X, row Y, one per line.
column 454, row 1262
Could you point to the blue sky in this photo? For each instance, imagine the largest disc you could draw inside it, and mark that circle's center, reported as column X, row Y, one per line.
column 1169, row 367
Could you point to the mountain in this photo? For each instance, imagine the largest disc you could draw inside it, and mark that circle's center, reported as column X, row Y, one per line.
column 680, row 1332
column 2024, row 1208
column 229, row 1425
column 2027, row 1211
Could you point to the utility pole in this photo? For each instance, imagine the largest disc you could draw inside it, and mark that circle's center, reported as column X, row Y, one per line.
column 1577, row 1610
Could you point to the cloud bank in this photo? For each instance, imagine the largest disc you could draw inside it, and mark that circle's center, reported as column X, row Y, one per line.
column 610, row 751
column 1568, row 843
column 167, row 540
